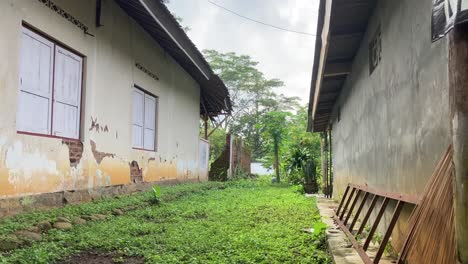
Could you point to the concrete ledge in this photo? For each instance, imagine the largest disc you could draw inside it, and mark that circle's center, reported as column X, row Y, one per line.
column 338, row 243
column 16, row 205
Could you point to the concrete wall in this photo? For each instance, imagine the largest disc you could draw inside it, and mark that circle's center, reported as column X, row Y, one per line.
column 394, row 124
column 33, row 164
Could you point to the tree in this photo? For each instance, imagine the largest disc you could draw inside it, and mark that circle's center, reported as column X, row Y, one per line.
column 252, row 95
column 274, row 127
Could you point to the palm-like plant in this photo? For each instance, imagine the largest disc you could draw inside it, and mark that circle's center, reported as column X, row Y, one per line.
column 302, row 161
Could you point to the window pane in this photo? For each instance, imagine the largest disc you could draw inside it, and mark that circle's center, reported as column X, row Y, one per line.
column 68, row 68
column 138, row 117
column 67, row 94
column 150, row 122
column 33, row 113
column 36, row 64
column 149, row 139
column 137, row 136
column 35, row 96
column 150, row 112
column 138, row 105
column 66, row 120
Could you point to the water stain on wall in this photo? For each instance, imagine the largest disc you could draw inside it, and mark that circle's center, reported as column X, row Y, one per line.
column 160, row 170
column 26, row 170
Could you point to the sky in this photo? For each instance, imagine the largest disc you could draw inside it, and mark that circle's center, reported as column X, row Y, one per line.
column 284, row 55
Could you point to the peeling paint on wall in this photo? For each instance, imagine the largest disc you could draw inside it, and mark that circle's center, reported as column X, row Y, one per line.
column 136, row 175
column 3, row 140
column 75, row 149
column 29, row 171
column 99, row 156
column 18, row 161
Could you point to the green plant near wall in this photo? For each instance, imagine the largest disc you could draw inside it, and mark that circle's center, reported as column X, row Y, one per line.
column 156, row 195
column 310, row 176
column 377, row 238
column 302, row 169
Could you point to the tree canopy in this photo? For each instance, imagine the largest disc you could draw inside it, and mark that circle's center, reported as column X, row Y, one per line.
column 271, row 123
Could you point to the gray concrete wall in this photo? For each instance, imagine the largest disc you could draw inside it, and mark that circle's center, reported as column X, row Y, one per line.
column 394, row 124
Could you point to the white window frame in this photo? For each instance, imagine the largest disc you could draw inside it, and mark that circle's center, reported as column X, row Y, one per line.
column 142, row 124
column 51, row 130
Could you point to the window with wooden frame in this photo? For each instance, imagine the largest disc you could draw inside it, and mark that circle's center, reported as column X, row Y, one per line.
column 49, row 99
column 144, row 120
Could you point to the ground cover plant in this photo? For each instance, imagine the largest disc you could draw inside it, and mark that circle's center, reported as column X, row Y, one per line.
column 234, row 222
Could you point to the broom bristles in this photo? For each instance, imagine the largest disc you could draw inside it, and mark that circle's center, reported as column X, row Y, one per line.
column 431, row 238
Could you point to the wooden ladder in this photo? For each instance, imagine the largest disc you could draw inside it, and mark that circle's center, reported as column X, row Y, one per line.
column 347, row 207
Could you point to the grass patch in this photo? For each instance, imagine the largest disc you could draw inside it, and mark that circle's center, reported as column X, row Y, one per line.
column 236, row 222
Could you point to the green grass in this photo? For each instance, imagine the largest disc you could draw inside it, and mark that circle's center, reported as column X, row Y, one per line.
column 236, row 222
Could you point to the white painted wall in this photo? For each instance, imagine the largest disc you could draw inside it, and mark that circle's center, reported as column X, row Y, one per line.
column 32, row 164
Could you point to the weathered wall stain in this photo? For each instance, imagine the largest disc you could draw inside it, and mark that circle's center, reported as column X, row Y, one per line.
column 26, row 171
column 158, row 171
column 95, row 126
column 114, row 171
column 99, row 156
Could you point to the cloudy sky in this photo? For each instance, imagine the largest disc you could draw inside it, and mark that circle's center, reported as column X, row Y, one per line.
column 284, row 55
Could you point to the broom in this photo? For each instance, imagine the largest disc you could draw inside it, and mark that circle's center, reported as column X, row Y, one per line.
column 431, row 238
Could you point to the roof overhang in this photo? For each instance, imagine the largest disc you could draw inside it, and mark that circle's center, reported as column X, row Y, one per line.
column 340, row 30
column 154, row 17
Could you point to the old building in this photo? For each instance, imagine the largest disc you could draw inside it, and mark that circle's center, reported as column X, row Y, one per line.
column 384, row 84
column 100, row 93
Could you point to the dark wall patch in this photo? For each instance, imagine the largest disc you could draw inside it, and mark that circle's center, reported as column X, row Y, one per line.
column 136, row 174
column 75, row 149
column 95, row 126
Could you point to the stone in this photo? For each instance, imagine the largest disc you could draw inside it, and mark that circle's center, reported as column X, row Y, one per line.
column 44, row 226
column 64, row 226
column 9, row 242
column 132, row 207
column 28, row 235
column 117, row 212
column 78, row 221
column 89, row 217
column 100, row 216
column 34, row 229
column 63, row 219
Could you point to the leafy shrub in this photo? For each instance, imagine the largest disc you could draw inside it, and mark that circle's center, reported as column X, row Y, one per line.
column 297, row 188
column 239, row 174
column 319, row 227
column 296, row 177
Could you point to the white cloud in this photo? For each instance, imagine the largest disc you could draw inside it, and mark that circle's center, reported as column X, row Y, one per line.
column 284, row 55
